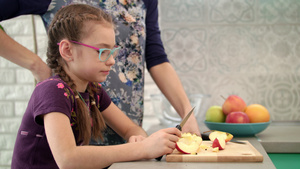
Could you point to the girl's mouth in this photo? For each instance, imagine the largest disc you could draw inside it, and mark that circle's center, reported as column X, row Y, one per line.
column 105, row 72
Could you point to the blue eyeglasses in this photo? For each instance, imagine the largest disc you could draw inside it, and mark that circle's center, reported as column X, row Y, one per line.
column 104, row 53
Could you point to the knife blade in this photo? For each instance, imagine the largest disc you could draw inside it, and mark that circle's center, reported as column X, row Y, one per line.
column 179, row 127
column 238, row 142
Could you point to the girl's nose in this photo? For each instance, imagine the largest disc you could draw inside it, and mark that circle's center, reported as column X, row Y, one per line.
column 110, row 61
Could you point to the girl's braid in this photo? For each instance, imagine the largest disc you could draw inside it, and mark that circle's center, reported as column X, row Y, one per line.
column 97, row 117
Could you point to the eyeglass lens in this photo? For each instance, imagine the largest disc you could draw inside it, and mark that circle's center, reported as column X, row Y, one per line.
column 106, row 53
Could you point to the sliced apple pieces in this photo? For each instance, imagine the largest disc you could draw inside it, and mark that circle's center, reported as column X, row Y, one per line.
column 213, row 135
column 191, row 143
column 188, row 143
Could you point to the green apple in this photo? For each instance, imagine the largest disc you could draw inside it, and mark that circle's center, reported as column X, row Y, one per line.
column 215, row 114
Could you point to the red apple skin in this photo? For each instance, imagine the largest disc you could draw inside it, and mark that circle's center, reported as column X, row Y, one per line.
column 232, row 104
column 188, row 143
column 217, row 143
column 180, row 150
column 237, row 117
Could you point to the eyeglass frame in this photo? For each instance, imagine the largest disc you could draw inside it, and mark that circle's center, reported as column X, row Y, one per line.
column 98, row 49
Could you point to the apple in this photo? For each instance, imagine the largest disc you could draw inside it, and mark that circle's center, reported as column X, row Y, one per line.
column 213, row 135
column 219, row 142
column 215, row 114
column 232, row 104
column 188, row 143
column 237, row 117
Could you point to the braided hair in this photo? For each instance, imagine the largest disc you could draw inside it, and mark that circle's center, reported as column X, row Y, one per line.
column 68, row 24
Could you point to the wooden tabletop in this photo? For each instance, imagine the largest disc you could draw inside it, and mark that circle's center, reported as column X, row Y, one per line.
column 163, row 164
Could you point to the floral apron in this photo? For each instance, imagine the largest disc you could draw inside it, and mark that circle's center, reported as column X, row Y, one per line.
column 125, row 83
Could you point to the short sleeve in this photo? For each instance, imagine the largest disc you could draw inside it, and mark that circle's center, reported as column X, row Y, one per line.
column 52, row 95
column 13, row 8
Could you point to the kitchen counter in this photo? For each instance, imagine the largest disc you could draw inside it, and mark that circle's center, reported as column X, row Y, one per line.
column 145, row 164
column 281, row 138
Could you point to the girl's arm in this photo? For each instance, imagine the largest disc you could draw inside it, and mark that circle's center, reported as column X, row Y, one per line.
column 18, row 54
column 121, row 124
column 169, row 83
column 67, row 155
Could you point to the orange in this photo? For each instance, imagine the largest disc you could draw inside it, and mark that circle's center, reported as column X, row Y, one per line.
column 257, row 113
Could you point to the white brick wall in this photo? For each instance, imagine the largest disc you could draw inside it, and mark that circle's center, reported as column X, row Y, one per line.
column 17, row 83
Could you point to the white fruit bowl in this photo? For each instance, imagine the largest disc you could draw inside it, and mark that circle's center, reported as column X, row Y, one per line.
column 238, row 129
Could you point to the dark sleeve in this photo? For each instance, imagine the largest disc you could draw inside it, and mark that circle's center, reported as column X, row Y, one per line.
column 51, row 96
column 13, row 8
column 155, row 52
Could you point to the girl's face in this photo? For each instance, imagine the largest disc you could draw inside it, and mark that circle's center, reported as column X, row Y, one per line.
column 85, row 65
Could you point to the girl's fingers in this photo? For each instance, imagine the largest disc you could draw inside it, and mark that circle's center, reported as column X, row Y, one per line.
column 173, row 138
column 173, row 131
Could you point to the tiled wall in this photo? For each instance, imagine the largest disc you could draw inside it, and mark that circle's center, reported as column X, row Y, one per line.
column 249, row 48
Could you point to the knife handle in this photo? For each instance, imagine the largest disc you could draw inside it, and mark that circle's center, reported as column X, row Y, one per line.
column 178, row 127
column 158, row 158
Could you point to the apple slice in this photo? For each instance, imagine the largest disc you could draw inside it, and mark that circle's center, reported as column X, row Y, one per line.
column 216, row 149
column 187, row 149
column 219, row 142
column 213, row 135
column 188, row 143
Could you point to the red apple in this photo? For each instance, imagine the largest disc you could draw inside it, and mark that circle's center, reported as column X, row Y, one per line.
column 213, row 135
column 219, row 142
column 232, row 104
column 237, row 117
column 188, row 143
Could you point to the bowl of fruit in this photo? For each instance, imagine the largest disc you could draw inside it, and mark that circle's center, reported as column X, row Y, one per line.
column 235, row 117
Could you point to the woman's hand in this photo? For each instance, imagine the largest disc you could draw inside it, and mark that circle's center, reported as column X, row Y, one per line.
column 191, row 126
column 161, row 142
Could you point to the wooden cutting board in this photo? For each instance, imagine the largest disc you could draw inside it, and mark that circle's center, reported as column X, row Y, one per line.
column 233, row 152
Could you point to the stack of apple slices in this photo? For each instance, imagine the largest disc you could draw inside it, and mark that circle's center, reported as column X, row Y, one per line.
column 188, row 143
column 191, row 143
column 219, row 139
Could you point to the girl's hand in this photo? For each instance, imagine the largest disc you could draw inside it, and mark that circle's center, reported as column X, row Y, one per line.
column 161, row 142
column 138, row 138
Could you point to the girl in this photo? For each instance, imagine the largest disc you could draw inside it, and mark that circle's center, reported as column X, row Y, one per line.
column 66, row 110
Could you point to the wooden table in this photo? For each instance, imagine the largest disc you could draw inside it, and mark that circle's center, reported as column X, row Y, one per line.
column 153, row 164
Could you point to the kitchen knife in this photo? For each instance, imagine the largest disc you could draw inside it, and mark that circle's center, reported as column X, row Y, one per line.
column 179, row 127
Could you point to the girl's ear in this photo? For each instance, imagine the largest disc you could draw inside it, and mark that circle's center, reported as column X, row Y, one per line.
column 65, row 50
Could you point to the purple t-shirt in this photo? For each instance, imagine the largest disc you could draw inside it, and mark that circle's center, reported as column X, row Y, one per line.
column 52, row 95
